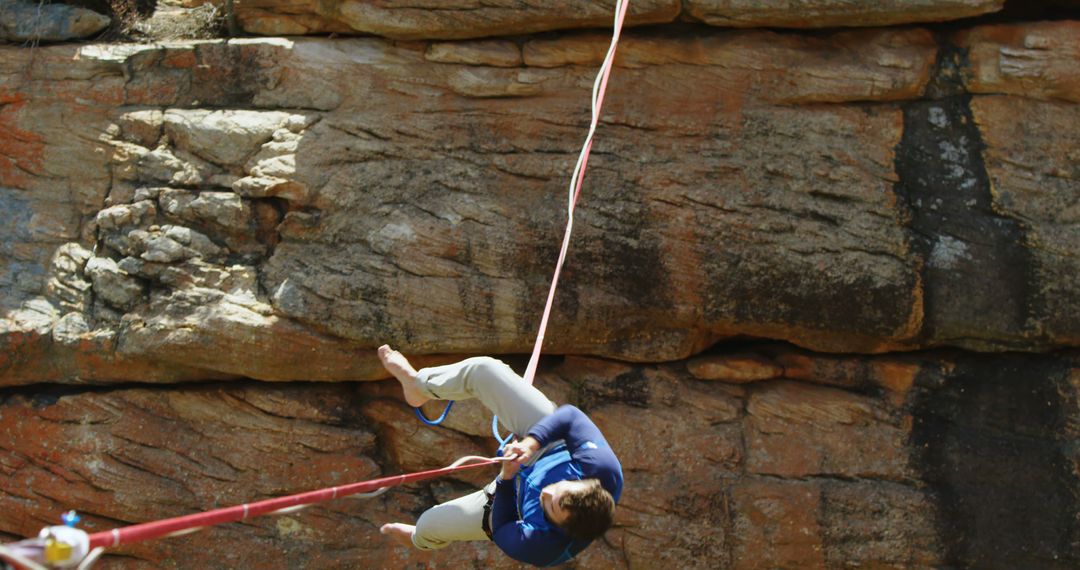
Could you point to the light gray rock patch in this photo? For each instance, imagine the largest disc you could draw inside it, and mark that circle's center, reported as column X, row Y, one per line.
column 125, row 215
column 112, row 284
column 68, row 285
column 224, row 209
column 938, row 118
column 948, row 252
column 227, row 137
column 162, row 249
column 70, row 329
column 34, row 21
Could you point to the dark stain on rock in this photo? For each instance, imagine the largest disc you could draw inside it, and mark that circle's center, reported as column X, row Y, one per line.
column 976, row 268
column 713, row 508
column 613, row 253
column 616, row 253
column 269, row 212
column 990, row 438
column 230, row 75
column 477, row 297
column 764, row 289
column 631, row 388
column 531, row 259
column 629, row 257
column 1026, row 10
column 380, row 321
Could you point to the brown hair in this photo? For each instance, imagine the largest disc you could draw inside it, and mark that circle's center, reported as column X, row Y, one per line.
column 590, row 511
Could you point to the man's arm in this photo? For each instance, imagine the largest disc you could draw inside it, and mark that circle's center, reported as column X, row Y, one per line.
column 586, row 444
column 527, row 544
column 504, row 504
column 569, row 424
column 517, row 539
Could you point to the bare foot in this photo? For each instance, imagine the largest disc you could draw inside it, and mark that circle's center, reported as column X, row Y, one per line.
column 395, row 363
column 399, row 533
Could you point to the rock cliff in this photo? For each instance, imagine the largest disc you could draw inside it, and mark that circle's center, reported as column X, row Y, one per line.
column 821, row 295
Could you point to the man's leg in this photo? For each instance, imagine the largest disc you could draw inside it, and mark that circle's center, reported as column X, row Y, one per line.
column 396, row 364
column 518, row 404
column 456, row 520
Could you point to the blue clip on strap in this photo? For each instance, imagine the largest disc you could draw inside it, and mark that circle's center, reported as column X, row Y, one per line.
column 498, row 438
column 494, row 424
column 435, row 422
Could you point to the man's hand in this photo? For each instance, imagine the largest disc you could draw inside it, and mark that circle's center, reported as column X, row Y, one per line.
column 524, row 449
column 521, row 451
column 509, row 469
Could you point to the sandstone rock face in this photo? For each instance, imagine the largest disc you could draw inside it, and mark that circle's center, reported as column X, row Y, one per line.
column 241, row 226
column 242, row 220
column 1032, row 60
column 821, row 295
column 409, row 19
column 838, row 471
column 829, row 13
column 1031, row 177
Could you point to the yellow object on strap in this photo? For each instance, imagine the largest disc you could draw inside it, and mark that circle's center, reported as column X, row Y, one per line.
column 56, row 551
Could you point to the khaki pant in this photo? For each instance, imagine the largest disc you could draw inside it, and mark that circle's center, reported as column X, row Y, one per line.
column 518, row 404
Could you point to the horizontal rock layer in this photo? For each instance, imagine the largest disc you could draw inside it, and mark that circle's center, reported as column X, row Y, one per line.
column 274, row 209
column 830, row 13
column 869, row 461
column 409, row 19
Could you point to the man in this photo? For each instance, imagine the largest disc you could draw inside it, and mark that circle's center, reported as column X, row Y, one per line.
column 547, row 504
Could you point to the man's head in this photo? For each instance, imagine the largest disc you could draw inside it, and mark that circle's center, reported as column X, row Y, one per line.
column 583, row 509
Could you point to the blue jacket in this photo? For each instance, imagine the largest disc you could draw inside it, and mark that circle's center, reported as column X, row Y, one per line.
column 519, row 526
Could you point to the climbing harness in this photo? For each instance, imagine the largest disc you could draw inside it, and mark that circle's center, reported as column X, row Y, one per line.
column 65, row 546
column 576, row 179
